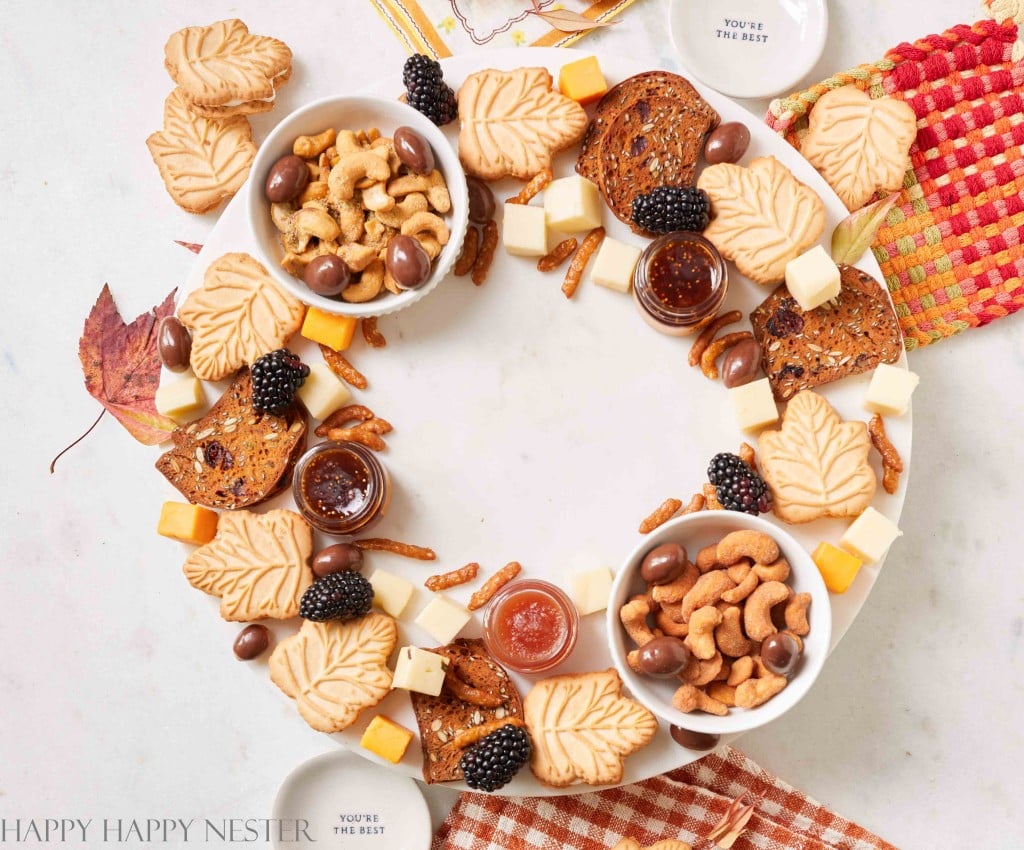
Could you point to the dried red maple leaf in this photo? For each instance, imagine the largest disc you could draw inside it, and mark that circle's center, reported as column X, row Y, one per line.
column 122, row 367
column 194, row 247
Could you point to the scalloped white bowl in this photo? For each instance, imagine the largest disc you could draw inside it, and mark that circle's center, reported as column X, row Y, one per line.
column 695, row 531
column 355, row 113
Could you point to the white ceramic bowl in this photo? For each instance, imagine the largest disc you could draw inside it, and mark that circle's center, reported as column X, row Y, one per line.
column 355, row 113
column 749, row 48
column 695, row 531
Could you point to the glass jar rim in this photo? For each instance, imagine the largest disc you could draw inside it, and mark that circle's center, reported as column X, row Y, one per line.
column 559, row 597
column 654, row 306
column 377, row 477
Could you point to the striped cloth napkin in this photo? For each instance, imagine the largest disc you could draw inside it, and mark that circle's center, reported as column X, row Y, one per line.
column 685, row 804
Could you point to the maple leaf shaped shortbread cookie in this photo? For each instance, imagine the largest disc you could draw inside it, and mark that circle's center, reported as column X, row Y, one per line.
column 334, row 670
column 238, row 315
column 511, row 122
column 860, row 145
column 224, row 62
column 764, row 216
column 582, row 728
column 817, row 464
column 202, row 161
column 258, row 564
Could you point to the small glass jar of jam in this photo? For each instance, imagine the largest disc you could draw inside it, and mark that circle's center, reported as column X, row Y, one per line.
column 679, row 283
column 341, row 487
column 530, row 626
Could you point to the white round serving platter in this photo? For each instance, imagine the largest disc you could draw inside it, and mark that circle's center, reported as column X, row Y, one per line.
column 533, row 428
column 339, row 801
column 749, row 48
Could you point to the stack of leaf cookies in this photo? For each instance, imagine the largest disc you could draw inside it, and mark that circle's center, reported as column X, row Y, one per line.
column 223, row 73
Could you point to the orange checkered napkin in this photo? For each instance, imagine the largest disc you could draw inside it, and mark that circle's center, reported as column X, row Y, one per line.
column 685, row 804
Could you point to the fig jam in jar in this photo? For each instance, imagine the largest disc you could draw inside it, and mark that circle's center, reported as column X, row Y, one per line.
column 530, row 626
column 341, row 487
column 679, row 283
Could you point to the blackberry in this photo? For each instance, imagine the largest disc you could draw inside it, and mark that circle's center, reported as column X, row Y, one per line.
column 420, row 69
column 275, row 378
column 492, row 762
column 738, row 487
column 337, row 596
column 670, row 208
column 426, row 91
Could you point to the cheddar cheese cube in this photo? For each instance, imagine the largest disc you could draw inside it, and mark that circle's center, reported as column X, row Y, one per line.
column 333, row 331
column 322, row 392
column 582, row 80
column 837, row 567
column 187, row 523
column 386, row 739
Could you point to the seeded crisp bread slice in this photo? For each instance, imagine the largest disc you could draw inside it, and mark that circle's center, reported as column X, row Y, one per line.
column 443, row 717
column 847, row 336
column 234, row 457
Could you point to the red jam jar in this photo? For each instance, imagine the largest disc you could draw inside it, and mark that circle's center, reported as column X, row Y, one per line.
column 530, row 626
column 679, row 283
column 341, row 487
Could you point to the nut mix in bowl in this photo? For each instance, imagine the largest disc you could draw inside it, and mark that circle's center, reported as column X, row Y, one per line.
column 719, row 622
column 358, row 205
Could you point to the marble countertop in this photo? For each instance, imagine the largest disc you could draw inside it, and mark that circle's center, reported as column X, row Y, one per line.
column 109, row 706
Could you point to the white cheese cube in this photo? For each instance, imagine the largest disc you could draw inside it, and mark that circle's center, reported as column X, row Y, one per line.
column 391, row 593
column 419, row 670
column 614, row 264
column 812, row 278
column 180, row 398
column 523, row 231
column 890, row 390
column 323, row 392
column 572, row 204
column 754, row 405
column 591, row 589
column 869, row 535
column 443, row 619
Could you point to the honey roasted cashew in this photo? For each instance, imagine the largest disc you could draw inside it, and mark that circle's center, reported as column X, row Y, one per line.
column 700, row 639
column 396, row 216
column 633, row 616
column 755, row 691
column 315, row 221
column 688, row 698
column 743, row 589
column 707, row 590
column 729, row 633
column 673, row 591
column 663, row 620
column 757, row 613
column 309, row 146
column 426, row 223
column 432, row 185
column 376, row 199
column 699, row 673
column 346, row 143
column 357, row 257
column 756, row 545
column 280, row 214
column 722, row 692
column 354, row 167
column 796, row 615
column 741, row 670
column 369, row 285
column 777, row 571
column 707, row 558
column 315, row 190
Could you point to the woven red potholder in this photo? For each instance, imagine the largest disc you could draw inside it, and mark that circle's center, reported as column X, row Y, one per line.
column 950, row 249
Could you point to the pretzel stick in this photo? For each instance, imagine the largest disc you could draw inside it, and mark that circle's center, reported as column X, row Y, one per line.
column 467, row 693
column 892, row 463
column 374, row 338
column 695, row 504
column 557, row 255
column 748, row 455
column 406, row 550
column 495, row 583
column 533, row 188
column 708, row 334
column 711, row 498
column 358, row 435
column 485, row 256
column 464, row 264
column 717, row 348
column 338, row 363
column 660, row 515
column 474, row 734
column 453, row 578
column 580, row 259
column 342, row 416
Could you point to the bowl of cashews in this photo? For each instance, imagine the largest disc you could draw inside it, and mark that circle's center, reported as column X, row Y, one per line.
column 719, row 622
column 358, row 205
